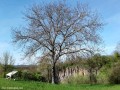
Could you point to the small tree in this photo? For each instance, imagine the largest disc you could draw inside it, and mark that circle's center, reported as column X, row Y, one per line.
column 95, row 63
column 58, row 30
column 7, row 62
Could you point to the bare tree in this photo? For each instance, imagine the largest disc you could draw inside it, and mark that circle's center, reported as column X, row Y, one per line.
column 7, row 62
column 57, row 30
column 7, row 59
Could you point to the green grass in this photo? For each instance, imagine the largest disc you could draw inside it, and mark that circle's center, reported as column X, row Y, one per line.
column 30, row 85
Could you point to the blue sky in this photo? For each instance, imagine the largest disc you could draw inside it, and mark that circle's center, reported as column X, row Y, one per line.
column 11, row 16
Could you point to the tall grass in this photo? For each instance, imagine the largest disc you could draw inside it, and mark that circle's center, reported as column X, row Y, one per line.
column 76, row 80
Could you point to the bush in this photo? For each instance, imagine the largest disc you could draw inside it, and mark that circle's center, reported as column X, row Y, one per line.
column 103, row 75
column 102, row 78
column 26, row 75
column 114, row 78
column 38, row 77
column 18, row 75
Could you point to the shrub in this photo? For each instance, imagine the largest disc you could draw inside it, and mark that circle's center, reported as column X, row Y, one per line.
column 103, row 75
column 18, row 75
column 38, row 77
column 26, row 75
column 114, row 78
column 102, row 78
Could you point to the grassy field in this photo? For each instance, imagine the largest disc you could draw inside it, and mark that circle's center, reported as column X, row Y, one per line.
column 29, row 85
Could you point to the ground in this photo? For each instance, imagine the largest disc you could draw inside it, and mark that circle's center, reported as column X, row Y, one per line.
column 31, row 85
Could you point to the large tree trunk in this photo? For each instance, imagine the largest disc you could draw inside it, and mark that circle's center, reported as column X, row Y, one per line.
column 54, row 75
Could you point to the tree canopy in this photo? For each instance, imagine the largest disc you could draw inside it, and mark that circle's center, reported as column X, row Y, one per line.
column 57, row 30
